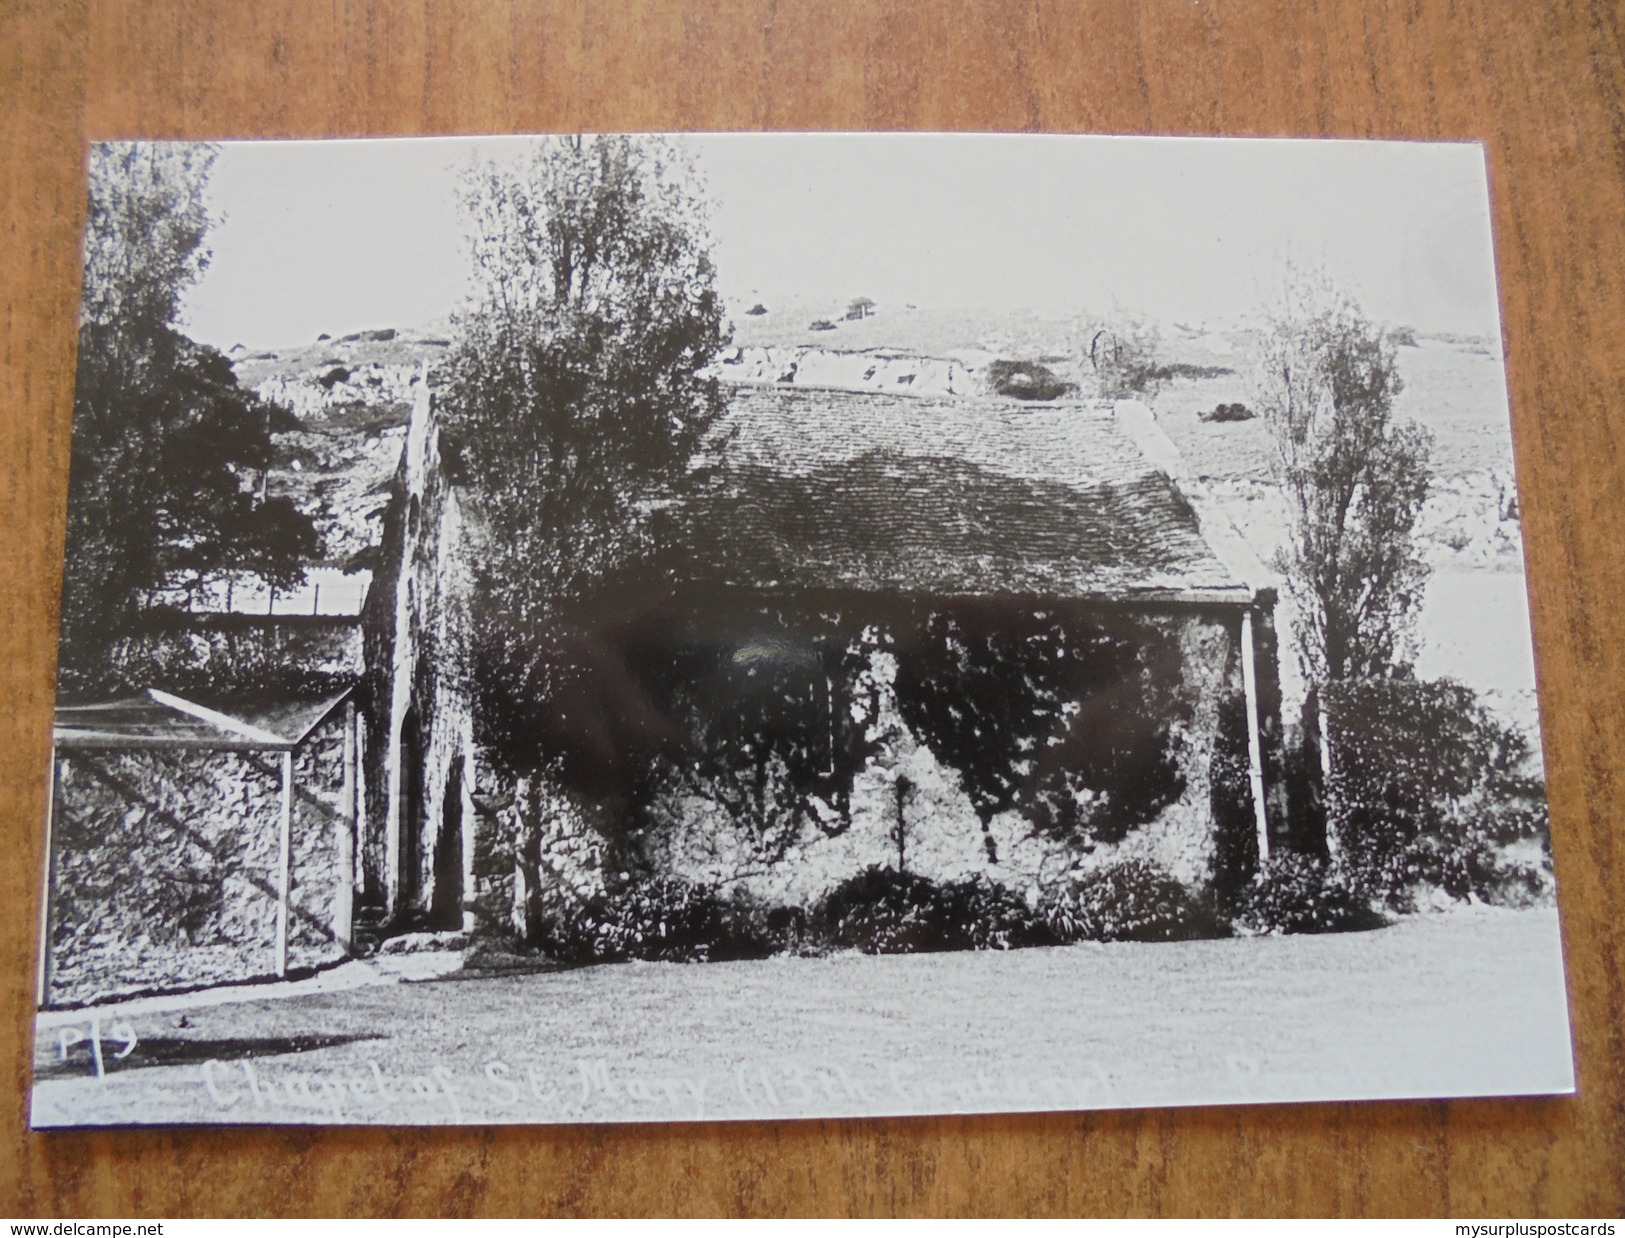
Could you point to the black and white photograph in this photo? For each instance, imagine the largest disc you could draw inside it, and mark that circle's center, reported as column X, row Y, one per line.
column 621, row 628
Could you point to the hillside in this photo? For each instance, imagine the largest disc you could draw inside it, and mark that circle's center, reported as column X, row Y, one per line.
column 350, row 399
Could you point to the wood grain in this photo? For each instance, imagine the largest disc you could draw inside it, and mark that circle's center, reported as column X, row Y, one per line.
column 1541, row 84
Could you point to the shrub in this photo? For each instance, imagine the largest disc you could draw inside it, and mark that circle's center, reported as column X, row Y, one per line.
column 1132, row 900
column 1228, row 412
column 1429, row 788
column 1471, row 864
column 883, row 911
column 1123, row 355
column 1185, row 369
column 1027, row 380
column 821, row 324
column 660, row 920
column 1299, row 894
column 757, row 310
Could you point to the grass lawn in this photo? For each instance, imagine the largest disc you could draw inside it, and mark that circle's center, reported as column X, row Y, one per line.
column 1466, row 1003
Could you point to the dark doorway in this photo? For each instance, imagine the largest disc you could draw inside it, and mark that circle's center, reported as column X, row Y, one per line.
column 410, row 859
column 446, row 900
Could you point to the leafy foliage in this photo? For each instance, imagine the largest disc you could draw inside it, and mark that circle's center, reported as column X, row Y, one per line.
column 660, row 920
column 1428, row 786
column 884, row 911
column 773, row 731
column 575, row 383
column 1068, row 719
column 1027, row 380
column 1294, row 893
column 1131, row 900
column 1325, row 378
column 167, row 447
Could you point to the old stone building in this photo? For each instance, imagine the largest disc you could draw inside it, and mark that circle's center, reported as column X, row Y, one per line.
column 958, row 636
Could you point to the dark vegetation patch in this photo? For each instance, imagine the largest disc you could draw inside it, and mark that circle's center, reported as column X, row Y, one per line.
column 1301, row 894
column 884, row 911
column 1228, row 412
column 1131, row 900
column 280, row 418
column 1429, row 788
column 821, row 324
column 1027, row 380
column 1068, row 719
column 1167, row 371
column 757, row 310
column 662, row 920
column 881, row 910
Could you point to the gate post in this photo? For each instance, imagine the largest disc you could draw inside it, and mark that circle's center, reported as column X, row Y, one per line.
column 344, row 827
column 284, row 865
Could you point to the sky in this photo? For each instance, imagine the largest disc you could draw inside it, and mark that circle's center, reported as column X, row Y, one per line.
column 339, row 236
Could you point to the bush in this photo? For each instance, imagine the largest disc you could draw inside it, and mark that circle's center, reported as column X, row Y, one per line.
column 1027, row 380
column 1299, row 894
column 1228, row 412
column 821, row 324
column 1430, row 788
column 660, row 920
column 883, row 911
column 1185, row 369
column 1123, row 356
column 1132, row 900
column 1472, row 865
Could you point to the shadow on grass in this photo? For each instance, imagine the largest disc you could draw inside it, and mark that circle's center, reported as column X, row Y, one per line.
column 181, row 1051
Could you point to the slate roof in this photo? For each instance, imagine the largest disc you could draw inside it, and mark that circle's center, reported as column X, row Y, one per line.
column 823, row 488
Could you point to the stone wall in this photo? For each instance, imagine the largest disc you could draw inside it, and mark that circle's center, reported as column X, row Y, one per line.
column 549, row 849
column 942, row 835
column 420, row 846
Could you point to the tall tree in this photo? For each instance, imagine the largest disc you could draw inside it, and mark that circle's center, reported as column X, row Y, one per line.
column 578, row 384
column 1354, row 478
column 167, row 447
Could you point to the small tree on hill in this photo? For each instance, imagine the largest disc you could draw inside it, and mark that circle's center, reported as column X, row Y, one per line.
column 1123, row 354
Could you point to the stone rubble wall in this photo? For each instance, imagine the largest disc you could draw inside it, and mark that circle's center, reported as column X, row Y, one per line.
column 943, row 837
column 166, row 866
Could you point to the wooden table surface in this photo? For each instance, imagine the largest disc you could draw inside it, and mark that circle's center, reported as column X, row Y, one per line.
column 1542, row 84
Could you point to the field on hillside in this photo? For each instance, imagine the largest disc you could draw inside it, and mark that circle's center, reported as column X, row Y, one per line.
column 1457, row 391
